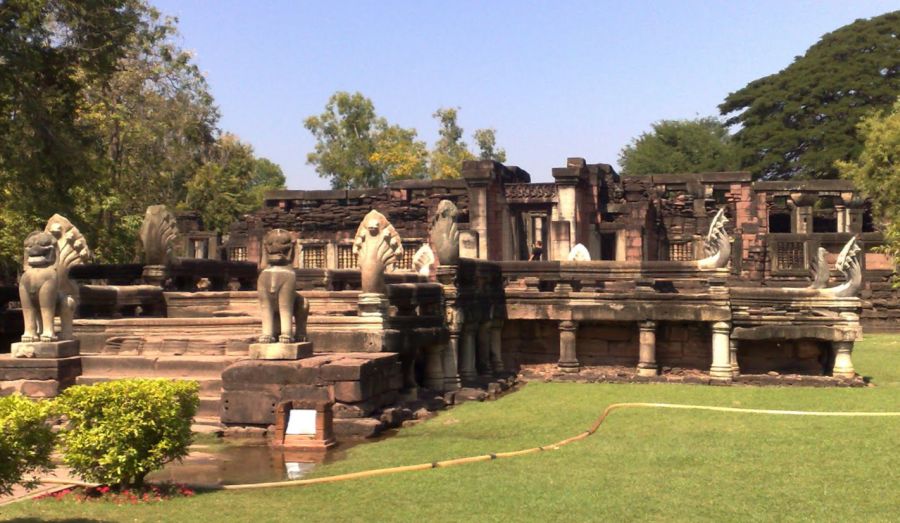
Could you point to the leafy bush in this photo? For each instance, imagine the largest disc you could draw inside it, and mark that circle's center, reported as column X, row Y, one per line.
column 26, row 440
column 122, row 430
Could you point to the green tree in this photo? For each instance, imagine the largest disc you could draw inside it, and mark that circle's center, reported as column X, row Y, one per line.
column 680, row 146
column 50, row 52
column 222, row 189
column 267, row 176
column 877, row 171
column 357, row 148
column 799, row 121
column 450, row 151
column 486, row 139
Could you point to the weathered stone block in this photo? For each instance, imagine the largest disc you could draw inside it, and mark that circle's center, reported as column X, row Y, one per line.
column 357, row 428
column 248, row 407
column 280, row 351
column 45, row 349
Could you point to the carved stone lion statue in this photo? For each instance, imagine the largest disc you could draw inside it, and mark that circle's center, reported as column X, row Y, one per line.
column 445, row 234
column 45, row 289
column 284, row 312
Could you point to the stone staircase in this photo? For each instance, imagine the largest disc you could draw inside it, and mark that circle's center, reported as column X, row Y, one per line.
column 206, row 370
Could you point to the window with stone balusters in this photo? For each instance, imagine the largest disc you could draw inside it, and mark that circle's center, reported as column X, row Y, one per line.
column 681, row 251
column 237, row 254
column 314, row 257
column 345, row 257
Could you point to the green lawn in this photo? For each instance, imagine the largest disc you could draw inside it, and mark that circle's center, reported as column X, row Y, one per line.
column 641, row 465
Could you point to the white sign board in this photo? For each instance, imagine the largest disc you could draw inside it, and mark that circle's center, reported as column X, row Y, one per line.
column 301, row 422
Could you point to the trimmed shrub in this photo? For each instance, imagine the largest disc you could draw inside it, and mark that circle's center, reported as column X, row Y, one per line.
column 120, row 431
column 26, row 440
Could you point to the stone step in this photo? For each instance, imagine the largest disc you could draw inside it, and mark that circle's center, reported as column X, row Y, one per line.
column 155, row 366
column 208, row 386
column 209, row 406
column 207, row 410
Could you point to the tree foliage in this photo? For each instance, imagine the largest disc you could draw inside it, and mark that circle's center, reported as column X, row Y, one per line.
column 450, row 151
column 101, row 115
column 877, row 171
column 799, row 121
column 26, row 441
column 486, row 139
column 357, row 148
column 680, row 146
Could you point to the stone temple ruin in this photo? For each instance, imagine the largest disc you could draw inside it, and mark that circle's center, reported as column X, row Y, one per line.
column 345, row 304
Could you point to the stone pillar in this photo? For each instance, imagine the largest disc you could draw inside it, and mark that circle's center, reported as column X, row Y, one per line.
column 735, row 368
column 467, row 370
column 568, row 356
column 496, row 345
column 843, row 365
column 483, row 361
column 434, row 367
column 567, row 179
column 721, row 359
column 479, row 174
column 647, row 358
column 451, row 365
column 843, row 224
column 803, row 212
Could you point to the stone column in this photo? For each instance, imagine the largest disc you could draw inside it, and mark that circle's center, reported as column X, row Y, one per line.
column 735, row 368
column 451, row 350
column 647, row 358
column 496, row 345
column 721, row 351
column 843, row 224
column 843, row 365
column 568, row 356
column 467, row 370
column 483, row 361
column 567, row 179
column 434, row 367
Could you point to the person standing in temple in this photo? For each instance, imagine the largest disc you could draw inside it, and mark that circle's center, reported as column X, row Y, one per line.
column 537, row 251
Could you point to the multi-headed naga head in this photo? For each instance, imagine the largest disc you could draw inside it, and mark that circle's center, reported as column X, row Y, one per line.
column 278, row 246
column 40, row 249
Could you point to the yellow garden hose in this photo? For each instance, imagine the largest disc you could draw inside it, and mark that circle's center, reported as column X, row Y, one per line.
column 499, row 455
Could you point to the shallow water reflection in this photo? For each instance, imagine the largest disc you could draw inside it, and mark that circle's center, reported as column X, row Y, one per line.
column 233, row 464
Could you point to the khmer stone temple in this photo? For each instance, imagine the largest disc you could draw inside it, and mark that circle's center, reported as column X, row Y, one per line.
column 348, row 302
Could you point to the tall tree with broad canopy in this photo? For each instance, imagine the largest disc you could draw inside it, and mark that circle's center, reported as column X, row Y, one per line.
column 357, row 148
column 798, row 122
column 680, row 146
column 101, row 115
column 877, row 171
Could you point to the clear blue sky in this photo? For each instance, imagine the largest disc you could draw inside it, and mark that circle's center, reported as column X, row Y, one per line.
column 556, row 79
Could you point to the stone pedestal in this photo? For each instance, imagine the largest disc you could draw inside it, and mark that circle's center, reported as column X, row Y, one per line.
column 721, row 352
column 373, row 304
column 316, row 438
column 37, row 377
column 647, row 357
column 155, row 275
column 281, row 351
column 843, row 365
column 45, row 349
column 568, row 356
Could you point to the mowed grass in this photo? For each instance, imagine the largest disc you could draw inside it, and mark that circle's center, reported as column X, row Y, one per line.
column 648, row 465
